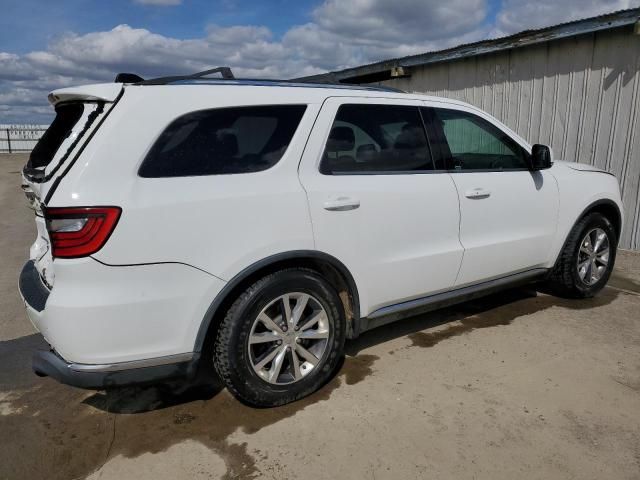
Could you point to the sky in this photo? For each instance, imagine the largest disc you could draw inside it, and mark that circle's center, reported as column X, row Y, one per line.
column 46, row 44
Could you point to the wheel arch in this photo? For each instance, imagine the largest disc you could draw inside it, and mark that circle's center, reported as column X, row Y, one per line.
column 327, row 265
column 606, row 207
column 609, row 209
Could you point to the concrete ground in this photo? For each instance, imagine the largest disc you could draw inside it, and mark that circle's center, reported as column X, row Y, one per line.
column 517, row 385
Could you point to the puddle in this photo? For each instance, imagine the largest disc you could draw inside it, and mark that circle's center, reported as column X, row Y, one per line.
column 76, row 431
column 209, row 421
column 494, row 310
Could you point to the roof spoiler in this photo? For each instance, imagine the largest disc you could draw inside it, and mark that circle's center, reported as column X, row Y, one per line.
column 99, row 92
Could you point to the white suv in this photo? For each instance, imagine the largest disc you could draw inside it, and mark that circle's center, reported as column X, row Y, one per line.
column 255, row 225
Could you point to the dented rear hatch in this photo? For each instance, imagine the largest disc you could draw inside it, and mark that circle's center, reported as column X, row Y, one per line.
column 79, row 113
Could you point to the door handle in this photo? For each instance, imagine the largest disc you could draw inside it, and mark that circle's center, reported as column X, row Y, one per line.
column 341, row 204
column 477, row 193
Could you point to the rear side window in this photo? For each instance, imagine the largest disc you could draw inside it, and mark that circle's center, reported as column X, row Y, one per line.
column 376, row 139
column 223, row 141
column 65, row 132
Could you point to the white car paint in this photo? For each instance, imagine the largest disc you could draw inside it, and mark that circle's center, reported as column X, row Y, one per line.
column 510, row 227
column 405, row 228
column 180, row 240
column 577, row 189
column 98, row 314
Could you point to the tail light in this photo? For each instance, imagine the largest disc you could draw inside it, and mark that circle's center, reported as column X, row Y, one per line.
column 80, row 231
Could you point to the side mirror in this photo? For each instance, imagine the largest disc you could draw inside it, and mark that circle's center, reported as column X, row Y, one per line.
column 540, row 157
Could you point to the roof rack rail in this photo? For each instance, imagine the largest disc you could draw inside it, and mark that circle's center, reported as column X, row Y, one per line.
column 229, row 78
column 226, row 73
column 357, row 86
column 274, row 82
column 381, row 88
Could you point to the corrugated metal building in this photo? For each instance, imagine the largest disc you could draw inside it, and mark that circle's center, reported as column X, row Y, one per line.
column 575, row 87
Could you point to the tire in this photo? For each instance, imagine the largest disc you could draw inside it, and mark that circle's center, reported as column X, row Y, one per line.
column 258, row 314
column 566, row 278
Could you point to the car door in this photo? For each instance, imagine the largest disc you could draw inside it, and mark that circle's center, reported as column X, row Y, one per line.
column 508, row 213
column 376, row 203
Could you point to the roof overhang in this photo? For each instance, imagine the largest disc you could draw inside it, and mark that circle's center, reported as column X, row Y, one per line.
column 398, row 67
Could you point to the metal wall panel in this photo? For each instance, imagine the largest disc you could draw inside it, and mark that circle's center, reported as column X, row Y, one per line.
column 580, row 95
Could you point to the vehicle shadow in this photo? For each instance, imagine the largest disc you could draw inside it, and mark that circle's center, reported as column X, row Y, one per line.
column 140, row 399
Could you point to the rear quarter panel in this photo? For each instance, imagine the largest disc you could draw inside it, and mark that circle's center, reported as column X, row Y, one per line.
column 218, row 223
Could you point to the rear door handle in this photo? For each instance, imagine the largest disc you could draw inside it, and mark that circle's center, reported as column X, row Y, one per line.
column 341, row 204
column 478, row 193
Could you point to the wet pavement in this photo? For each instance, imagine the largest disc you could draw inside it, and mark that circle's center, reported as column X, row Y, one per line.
column 516, row 384
column 55, row 431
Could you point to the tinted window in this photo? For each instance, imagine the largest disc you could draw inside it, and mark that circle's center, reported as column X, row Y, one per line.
column 472, row 143
column 223, row 141
column 67, row 116
column 376, row 138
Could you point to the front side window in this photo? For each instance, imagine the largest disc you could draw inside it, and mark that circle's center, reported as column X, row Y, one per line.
column 376, row 139
column 223, row 141
column 472, row 143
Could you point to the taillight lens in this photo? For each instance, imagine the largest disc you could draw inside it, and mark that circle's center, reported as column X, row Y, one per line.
column 80, row 231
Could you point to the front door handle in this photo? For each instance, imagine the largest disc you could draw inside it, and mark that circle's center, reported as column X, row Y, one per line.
column 478, row 193
column 341, row 204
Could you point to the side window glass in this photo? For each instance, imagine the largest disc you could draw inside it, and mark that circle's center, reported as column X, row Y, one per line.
column 223, row 141
column 475, row 144
column 376, row 139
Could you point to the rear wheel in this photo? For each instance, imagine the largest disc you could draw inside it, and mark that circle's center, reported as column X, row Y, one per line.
column 587, row 259
column 281, row 339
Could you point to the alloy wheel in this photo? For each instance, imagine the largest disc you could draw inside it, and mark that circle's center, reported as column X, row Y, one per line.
column 288, row 338
column 593, row 256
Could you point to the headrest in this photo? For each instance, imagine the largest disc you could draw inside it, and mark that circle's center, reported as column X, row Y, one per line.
column 227, row 144
column 410, row 137
column 366, row 152
column 341, row 139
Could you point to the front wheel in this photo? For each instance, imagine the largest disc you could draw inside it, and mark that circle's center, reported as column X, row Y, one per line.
column 281, row 339
column 586, row 261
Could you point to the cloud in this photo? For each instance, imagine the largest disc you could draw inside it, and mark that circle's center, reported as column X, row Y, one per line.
column 339, row 34
column 400, row 22
column 159, row 3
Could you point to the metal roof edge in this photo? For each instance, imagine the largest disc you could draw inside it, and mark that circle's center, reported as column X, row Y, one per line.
column 521, row 39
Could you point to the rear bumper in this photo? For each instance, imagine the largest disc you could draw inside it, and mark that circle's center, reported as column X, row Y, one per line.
column 50, row 364
column 115, row 315
column 113, row 326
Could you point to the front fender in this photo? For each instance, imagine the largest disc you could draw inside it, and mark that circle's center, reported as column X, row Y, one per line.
column 580, row 191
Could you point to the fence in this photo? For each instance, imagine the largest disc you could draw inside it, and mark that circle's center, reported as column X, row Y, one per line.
column 19, row 138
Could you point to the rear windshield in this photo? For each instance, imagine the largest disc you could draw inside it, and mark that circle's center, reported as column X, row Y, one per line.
column 223, row 141
column 71, row 123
